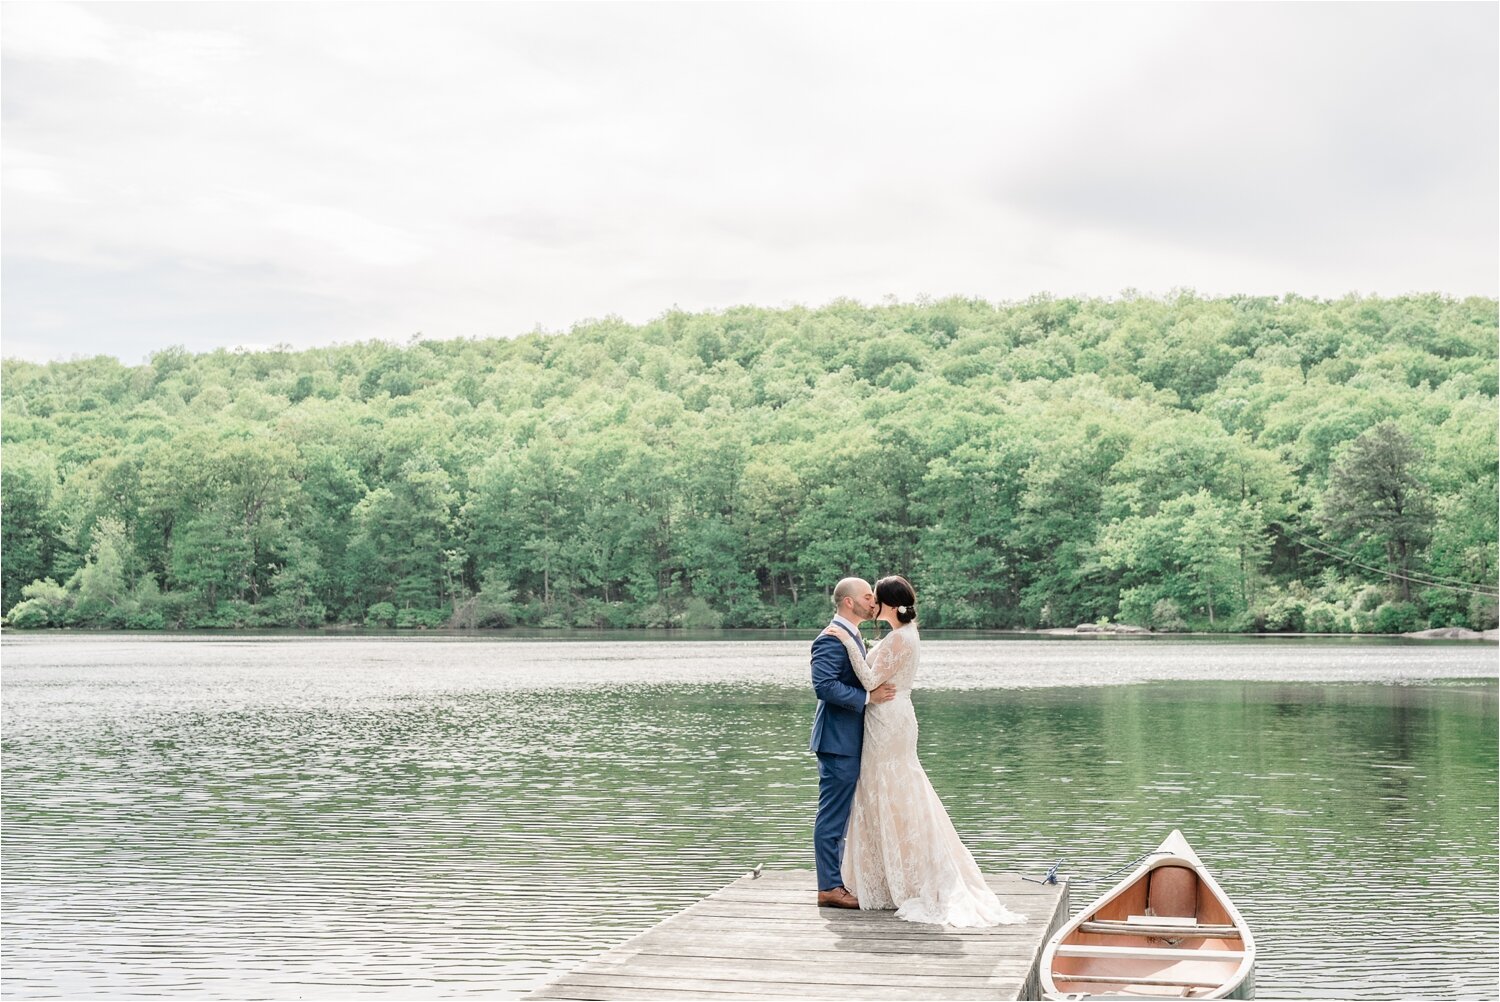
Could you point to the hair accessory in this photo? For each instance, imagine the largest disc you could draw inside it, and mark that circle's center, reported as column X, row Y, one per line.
column 901, row 609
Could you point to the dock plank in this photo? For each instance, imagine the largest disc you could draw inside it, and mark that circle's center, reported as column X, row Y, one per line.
column 766, row 974
column 820, row 990
column 766, row 939
column 857, row 960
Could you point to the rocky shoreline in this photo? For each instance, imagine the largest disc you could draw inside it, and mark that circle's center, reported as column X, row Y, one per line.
column 1096, row 629
column 1125, row 630
column 1454, row 633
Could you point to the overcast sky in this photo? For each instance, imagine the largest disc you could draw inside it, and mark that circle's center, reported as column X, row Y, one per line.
column 215, row 174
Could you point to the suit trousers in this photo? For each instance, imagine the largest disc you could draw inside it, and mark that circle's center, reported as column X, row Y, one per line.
column 837, row 777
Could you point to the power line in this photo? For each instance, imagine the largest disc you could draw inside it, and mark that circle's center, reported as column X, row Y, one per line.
column 1424, row 582
column 1303, row 539
column 1466, row 590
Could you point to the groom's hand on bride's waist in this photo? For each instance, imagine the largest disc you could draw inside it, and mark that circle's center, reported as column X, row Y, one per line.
column 883, row 693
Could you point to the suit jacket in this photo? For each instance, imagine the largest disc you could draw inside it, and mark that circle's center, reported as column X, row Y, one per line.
column 839, row 724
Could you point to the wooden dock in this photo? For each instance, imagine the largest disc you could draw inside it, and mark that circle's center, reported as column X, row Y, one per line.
column 765, row 938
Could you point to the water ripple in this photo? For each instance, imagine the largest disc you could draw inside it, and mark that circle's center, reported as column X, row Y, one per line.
column 429, row 818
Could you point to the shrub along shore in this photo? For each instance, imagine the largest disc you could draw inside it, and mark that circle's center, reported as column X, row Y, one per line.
column 1233, row 464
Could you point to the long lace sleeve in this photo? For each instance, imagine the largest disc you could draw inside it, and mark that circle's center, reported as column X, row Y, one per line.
column 888, row 658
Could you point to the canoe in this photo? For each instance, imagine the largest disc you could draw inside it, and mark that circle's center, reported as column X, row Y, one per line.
column 1166, row 931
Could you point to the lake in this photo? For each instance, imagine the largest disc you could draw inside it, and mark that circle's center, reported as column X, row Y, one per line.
column 429, row 816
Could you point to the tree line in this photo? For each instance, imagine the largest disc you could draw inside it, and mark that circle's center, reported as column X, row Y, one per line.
column 1237, row 464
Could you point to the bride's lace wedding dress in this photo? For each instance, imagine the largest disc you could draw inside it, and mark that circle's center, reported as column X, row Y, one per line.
column 901, row 850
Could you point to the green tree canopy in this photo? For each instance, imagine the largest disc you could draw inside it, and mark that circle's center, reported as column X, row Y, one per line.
column 1231, row 463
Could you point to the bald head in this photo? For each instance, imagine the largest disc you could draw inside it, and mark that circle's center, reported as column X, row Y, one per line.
column 854, row 599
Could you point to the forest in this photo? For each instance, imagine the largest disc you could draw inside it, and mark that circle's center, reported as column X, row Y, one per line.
column 1232, row 464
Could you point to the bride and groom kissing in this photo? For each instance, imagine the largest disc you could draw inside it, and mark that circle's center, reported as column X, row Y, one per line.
column 882, row 837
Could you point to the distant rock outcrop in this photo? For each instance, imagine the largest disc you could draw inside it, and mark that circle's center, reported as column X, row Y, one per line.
column 1107, row 628
column 1451, row 633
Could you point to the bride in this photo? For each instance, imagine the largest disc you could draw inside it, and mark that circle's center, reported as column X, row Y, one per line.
column 901, row 850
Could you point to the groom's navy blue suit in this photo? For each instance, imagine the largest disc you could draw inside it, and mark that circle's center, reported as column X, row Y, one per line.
column 838, row 736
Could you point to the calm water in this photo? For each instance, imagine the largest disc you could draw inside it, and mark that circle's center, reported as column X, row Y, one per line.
column 281, row 818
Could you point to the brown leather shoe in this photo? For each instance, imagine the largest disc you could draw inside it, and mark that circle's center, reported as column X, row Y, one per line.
column 839, row 897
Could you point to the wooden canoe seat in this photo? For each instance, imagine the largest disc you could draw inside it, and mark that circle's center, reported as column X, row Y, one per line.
column 1180, row 921
column 1149, row 925
column 1149, row 953
column 1112, row 979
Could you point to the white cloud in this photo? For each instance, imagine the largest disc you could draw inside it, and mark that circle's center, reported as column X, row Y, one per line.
column 224, row 173
column 58, row 31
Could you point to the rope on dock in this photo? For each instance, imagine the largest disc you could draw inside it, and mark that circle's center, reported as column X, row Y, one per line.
column 1051, row 875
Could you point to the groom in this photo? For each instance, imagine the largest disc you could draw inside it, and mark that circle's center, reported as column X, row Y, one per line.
column 838, row 734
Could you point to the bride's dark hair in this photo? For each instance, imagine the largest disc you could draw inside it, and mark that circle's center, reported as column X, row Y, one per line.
column 897, row 592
